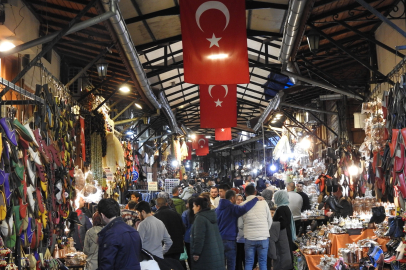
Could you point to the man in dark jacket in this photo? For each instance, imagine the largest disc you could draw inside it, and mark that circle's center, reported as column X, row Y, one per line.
column 174, row 225
column 306, row 200
column 227, row 216
column 119, row 244
column 80, row 229
column 179, row 204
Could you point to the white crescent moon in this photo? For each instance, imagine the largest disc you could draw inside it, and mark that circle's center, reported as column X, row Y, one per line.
column 204, row 141
column 225, row 88
column 212, row 5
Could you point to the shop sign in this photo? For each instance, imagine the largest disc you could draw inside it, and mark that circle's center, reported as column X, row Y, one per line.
column 153, row 186
column 109, row 175
column 135, row 175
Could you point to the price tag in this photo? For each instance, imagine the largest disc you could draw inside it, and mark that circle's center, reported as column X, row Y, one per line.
column 109, row 176
column 153, row 186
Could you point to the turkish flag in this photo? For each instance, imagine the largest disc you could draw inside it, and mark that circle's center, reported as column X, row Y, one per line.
column 223, row 134
column 82, row 138
column 214, row 39
column 202, row 145
column 218, row 106
column 189, row 151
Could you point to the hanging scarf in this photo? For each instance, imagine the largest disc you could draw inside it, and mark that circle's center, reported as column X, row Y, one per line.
column 281, row 198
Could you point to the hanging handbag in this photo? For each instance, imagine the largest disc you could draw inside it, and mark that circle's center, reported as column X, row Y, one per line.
column 183, row 256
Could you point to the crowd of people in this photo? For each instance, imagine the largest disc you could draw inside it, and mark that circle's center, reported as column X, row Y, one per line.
column 212, row 226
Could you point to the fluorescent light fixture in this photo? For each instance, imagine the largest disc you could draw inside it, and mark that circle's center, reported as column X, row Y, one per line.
column 274, row 121
column 129, row 132
column 138, row 106
column 218, row 56
column 6, row 46
column 125, row 89
column 279, row 115
column 208, row 136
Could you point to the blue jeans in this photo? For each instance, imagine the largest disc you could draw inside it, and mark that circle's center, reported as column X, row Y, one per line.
column 261, row 246
column 230, row 253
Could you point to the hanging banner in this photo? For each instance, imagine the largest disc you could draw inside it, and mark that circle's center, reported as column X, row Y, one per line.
column 218, row 106
column 223, row 134
column 202, row 145
column 214, row 39
column 189, row 151
column 82, row 138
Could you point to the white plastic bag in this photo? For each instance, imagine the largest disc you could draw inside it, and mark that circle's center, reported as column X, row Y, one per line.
column 149, row 265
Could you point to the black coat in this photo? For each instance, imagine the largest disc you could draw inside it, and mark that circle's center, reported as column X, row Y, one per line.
column 174, row 225
column 206, row 242
column 306, row 201
column 284, row 216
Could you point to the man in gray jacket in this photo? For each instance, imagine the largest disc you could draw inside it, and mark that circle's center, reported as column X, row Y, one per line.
column 256, row 224
column 152, row 231
column 295, row 205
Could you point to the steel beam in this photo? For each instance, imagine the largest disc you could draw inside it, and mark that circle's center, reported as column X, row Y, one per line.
column 322, row 85
column 96, row 87
column 291, row 117
column 381, row 17
column 48, row 38
column 173, row 11
column 307, row 108
column 339, row 46
column 114, row 104
column 123, row 110
column 376, row 42
column 106, row 99
column 145, row 129
column 21, row 91
column 49, row 46
column 116, row 123
column 89, row 65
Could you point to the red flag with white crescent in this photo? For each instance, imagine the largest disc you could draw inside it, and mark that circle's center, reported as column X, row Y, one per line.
column 214, row 39
column 223, row 134
column 202, row 145
column 82, row 138
column 218, row 106
column 189, row 151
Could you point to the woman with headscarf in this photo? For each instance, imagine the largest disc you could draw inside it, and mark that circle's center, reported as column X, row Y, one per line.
column 267, row 194
column 91, row 247
column 284, row 216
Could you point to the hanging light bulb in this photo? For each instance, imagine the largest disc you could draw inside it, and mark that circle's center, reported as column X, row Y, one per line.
column 273, row 167
column 305, row 143
column 353, row 170
column 175, row 163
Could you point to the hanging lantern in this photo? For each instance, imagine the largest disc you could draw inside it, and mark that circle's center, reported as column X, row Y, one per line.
column 102, row 67
column 313, row 39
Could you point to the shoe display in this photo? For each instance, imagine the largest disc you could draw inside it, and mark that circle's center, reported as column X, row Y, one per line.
column 8, row 130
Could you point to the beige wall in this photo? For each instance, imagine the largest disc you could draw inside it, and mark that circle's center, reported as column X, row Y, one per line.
column 22, row 26
column 389, row 36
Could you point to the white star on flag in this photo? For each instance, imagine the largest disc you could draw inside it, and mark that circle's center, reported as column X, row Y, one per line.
column 222, row 130
column 214, row 41
column 218, row 103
